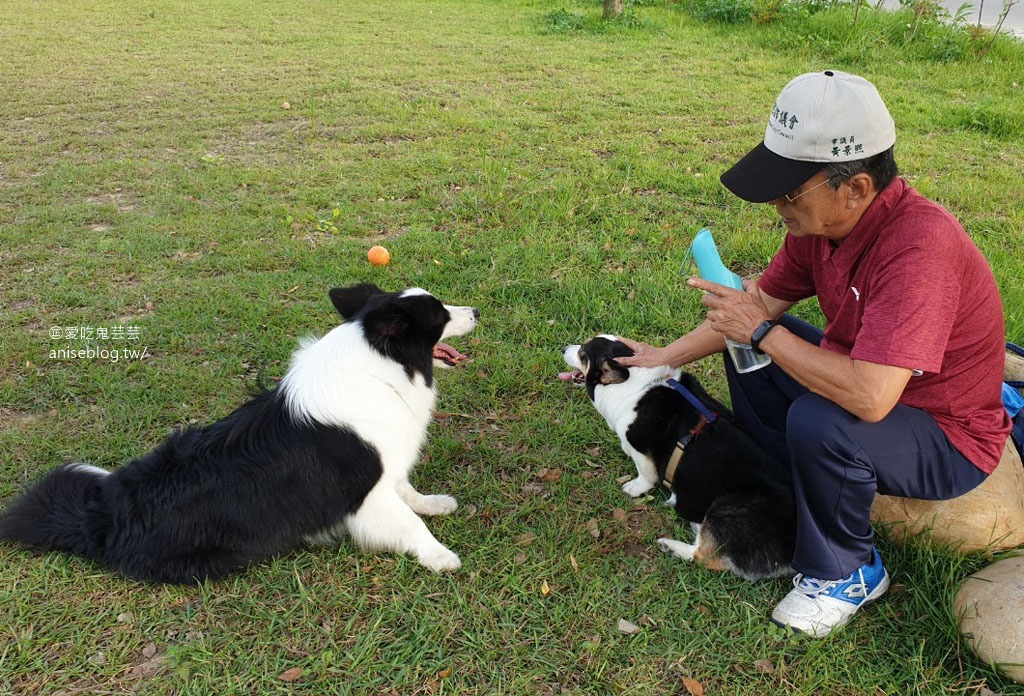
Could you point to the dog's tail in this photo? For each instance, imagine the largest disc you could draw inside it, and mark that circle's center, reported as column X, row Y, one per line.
column 63, row 511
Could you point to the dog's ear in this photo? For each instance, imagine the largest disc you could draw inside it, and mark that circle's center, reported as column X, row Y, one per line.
column 613, row 373
column 384, row 323
column 348, row 301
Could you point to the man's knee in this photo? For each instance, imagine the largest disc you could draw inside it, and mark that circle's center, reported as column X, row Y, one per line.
column 815, row 424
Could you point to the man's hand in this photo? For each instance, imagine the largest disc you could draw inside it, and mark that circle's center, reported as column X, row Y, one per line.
column 733, row 313
column 645, row 355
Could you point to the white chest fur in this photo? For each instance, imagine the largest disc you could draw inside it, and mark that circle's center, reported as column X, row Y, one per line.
column 340, row 380
column 617, row 402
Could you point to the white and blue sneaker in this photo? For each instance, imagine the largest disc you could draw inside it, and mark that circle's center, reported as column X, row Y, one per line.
column 817, row 607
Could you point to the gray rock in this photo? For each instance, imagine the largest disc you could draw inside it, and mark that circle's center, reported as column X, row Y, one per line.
column 990, row 608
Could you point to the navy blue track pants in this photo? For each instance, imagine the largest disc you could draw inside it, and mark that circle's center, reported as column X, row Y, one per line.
column 839, row 462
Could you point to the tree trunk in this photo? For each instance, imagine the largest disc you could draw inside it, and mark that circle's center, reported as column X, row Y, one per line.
column 612, row 9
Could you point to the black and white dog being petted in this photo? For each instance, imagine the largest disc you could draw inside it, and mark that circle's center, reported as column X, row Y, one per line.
column 737, row 497
column 328, row 452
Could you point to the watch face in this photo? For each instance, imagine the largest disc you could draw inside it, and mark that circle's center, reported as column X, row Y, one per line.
column 759, row 333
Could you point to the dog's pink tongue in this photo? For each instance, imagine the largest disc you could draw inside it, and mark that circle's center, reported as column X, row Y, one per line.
column 443, row 351
column 569, row 376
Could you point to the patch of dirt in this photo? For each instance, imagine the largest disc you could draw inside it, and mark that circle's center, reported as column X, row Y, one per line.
column 123, row 201
column 17, row 419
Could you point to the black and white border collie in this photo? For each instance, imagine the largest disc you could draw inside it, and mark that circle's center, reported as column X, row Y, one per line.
column 737, row 497
column 328, row 452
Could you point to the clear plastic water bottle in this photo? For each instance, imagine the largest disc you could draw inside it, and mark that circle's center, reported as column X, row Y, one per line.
column 710, row 267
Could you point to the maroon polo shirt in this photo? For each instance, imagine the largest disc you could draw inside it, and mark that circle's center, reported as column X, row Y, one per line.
column 909, row 288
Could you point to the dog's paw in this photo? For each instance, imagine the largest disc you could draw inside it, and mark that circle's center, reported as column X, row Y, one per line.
column 440, row 560
column 436, row 505
column 679, row 549
column 637, row 487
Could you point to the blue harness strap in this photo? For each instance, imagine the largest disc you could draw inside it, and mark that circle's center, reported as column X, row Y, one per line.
column 694, row 401
column 706, row 416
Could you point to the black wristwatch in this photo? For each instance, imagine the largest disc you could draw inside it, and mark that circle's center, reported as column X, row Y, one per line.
column 760, row 332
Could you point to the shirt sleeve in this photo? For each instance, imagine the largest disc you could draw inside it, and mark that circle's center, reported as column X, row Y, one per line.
column 788, row 276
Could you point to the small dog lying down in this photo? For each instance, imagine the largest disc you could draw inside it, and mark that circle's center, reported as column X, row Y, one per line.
column 328, row 452
column 737, row 497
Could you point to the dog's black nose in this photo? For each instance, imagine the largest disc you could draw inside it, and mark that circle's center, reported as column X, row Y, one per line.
column 476, row 313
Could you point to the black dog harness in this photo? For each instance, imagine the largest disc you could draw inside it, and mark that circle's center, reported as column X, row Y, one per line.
column 706, row 416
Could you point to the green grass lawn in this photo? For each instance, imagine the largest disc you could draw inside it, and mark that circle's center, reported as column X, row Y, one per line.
column 202, row 173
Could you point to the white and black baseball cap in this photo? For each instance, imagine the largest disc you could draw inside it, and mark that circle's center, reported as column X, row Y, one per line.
column 819, row 118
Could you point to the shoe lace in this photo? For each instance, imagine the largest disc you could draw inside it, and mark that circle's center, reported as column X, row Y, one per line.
column 813, row 587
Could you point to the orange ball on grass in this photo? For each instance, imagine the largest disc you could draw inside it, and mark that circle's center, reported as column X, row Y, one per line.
column 378, row 256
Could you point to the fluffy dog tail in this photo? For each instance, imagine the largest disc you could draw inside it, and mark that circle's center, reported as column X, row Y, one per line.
column 63, row 511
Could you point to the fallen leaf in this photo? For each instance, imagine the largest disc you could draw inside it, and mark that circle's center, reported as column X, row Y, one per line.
column 574, row 564
column 534, row 488
column 549, row 475
column 149, row 651
column 693, row 687
column 285, row 105
column 623, row 479
column 764, row 666
column 524, row 539
column 627, row 627
column 592, row 527
column 290, row 675
column 148, row 667
column 619, row 515
column 545, row 589
column 444, row 673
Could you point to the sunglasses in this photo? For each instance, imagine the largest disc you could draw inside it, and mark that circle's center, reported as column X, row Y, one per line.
column 790, row 199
